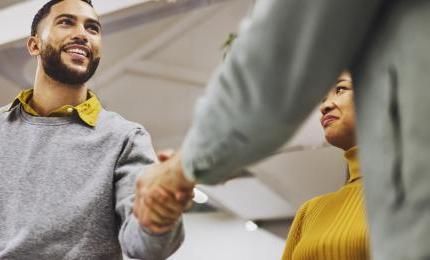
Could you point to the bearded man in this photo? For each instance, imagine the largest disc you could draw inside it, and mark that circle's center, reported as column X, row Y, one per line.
column 67, row 165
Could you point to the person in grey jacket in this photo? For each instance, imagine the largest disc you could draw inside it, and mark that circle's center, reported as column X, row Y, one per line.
column 68, row 166
column 284, row 60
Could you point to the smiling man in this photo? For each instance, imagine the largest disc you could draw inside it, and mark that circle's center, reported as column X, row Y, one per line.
column 68, row 166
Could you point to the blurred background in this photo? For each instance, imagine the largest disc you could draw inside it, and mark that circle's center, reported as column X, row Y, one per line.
column 157, row 58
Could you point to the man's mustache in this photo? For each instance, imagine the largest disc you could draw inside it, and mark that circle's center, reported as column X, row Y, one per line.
column 82, row 43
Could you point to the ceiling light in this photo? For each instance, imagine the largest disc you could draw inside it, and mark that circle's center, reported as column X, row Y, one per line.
column 251, row 226
column 200, row 197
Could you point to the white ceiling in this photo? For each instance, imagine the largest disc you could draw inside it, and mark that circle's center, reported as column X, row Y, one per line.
column 156, row 60
column 6, row 3
column 219, row 236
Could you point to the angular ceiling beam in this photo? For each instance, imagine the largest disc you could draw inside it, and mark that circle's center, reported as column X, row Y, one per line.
column 115, row 15
column 160, row 42
column 168, row 72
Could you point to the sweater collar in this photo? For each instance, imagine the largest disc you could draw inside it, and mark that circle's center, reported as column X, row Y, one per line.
column 351, row 157
column 87, row 111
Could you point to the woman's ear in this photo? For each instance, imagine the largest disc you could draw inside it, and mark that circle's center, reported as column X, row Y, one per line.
column 33, row 45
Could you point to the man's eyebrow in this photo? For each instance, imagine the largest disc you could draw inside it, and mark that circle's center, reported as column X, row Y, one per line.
column 74, row 17
column 71, row 16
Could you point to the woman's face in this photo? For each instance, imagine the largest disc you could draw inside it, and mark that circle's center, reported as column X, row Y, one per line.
column 338, row 114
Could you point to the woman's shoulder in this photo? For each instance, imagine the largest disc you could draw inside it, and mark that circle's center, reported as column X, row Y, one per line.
column 308, row 205
column 316, row 201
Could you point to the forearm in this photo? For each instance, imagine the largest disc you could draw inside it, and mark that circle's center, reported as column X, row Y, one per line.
column 136, row 242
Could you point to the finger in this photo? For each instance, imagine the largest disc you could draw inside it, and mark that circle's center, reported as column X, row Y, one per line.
column 139, row 209
column 167, row 200
column 160, row 215
column 138, row 183
column 154, row 217
column 146, row 222
column 136, row 211
column 160, row 221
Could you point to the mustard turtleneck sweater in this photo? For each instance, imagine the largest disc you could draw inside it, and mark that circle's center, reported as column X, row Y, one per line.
column 332, row 226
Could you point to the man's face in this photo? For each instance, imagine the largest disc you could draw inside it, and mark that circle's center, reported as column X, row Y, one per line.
column 70, row 39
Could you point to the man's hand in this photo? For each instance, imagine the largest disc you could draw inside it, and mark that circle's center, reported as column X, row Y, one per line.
column 162, row 194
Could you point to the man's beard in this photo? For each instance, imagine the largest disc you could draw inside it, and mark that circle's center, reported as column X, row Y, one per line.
column 55, row 68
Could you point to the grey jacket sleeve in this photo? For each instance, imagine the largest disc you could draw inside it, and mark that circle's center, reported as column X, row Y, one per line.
column 136, row 242
column 281, row 65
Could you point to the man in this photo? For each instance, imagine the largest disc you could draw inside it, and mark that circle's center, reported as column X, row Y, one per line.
column 279, row 68
column 67, row 166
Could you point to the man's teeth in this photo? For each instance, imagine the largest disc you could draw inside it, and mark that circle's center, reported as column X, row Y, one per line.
column 77, row 51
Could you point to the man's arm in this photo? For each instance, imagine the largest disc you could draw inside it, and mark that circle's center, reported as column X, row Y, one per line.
column 283, row 62
column 136, row 240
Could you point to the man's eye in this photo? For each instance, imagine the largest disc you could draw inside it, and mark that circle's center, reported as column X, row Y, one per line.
column 93, row 28
column 65, row 22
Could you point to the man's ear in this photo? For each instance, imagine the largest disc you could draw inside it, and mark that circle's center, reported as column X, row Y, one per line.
column 33, row 45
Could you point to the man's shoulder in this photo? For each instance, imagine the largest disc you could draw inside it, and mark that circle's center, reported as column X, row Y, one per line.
column 116, row 122
column 5, row 108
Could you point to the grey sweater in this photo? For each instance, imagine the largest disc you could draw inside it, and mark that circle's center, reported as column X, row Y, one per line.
column 66, row 189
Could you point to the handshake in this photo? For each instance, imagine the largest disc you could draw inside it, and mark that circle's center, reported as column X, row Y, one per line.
column 162, row 194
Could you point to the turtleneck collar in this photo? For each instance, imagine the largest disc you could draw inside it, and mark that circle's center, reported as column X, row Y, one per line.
column 351, row 157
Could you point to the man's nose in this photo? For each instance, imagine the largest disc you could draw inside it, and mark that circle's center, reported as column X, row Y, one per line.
column 80, row 34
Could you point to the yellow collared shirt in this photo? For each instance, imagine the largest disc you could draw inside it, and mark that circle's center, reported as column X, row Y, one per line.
column 87, row 111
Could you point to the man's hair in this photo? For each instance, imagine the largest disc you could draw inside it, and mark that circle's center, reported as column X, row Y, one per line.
column 44, row 12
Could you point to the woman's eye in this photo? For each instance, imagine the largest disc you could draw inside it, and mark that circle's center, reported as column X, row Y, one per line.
column 340, row 89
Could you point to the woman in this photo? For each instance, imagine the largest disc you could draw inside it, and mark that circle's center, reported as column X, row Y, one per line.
column 333, row 226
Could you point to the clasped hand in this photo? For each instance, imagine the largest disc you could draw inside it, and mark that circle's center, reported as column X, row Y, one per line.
column 162, row 194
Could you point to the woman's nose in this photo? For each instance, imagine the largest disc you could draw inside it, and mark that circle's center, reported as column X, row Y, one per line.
column 326, row 106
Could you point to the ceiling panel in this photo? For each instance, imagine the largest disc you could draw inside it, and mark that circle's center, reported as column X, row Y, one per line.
column 163, row 107
column 249, row 198
column 201, row 47
column 219, row 236
column 6, row 3
column 301, row 175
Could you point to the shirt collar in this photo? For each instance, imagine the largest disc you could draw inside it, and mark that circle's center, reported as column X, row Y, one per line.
column 87, row 111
